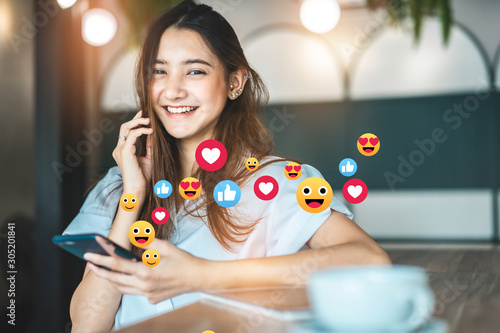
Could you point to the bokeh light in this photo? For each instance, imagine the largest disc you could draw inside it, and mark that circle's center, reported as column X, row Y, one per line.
column 320, row 16
column 98, row 27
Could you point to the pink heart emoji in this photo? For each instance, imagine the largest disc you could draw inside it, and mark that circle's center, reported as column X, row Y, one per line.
column 288, row 168
column 363, row 141
column 195, row 185
column 184, row 185
column 373, row 141
column 297, row 168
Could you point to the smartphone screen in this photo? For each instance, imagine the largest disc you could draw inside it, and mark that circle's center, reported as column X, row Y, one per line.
column 78, row 245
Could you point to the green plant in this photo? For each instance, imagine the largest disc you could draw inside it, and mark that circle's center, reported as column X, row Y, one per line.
column 417, row 10
column 140, row 13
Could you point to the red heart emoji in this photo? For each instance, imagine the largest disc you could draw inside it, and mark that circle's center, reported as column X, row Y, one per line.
column 373, row 141
column 297, row 168
column 185, row 185
column 195, row 185
column 363, row 141
column 288, row 168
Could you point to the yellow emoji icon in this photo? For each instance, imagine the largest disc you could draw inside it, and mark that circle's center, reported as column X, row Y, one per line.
column 129, row 202
column 190, row 188
column 314, row 194
column 293, row 171
column 151, row 258
column 368, row 144
column 141, row 233
column 252, row 164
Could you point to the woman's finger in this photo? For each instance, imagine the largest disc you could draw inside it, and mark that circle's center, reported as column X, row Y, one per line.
column 138, row 114
column 129, row 125
column 119, row 279
column 107, row 246
column 136, row 133
column 116, row 264
column 128, row 290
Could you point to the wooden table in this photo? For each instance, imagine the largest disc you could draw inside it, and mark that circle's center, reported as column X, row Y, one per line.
column 465, row 280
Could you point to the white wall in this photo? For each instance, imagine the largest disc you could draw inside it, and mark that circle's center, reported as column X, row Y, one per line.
column 427, row 214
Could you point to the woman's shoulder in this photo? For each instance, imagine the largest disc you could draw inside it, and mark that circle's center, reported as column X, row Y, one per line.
column 97, row 212
column 113, row 173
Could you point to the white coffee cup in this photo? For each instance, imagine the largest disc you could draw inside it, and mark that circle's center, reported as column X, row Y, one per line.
column 371, row 298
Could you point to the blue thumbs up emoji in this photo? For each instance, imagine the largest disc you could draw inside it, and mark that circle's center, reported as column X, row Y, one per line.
column 348, row 167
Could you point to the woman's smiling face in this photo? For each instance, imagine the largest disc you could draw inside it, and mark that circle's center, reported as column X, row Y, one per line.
column 187, row 75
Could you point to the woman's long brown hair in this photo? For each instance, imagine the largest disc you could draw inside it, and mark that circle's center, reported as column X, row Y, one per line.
column 238, row 126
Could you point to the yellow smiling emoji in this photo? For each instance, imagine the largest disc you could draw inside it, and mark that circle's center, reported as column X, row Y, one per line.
column 314, row 194
column 252, row 164
column 190, row 188
column 129, row 202
column 293, row 171
column 141, row 233
column 151, row 258
column 368, row 144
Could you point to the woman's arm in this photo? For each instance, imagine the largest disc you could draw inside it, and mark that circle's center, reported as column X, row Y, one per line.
column 339, row 241
column 95, row 301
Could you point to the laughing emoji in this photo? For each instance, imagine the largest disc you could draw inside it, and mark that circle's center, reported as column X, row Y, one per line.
column 190, row 188
column 293, row 171
column 129, row 202
column 252, row 164
column 141, row 233
column 314, row 194
column 151, row 258
column 368, row 144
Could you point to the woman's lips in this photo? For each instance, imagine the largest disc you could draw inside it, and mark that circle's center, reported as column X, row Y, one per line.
column 179, row 115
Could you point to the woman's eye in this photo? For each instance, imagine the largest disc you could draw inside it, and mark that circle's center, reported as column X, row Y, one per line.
column 159, row 71
column 199, row 72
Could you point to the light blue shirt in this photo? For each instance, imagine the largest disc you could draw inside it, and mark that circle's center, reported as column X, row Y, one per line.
column 284, row 228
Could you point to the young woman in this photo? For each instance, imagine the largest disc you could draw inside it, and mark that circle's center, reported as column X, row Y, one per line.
column 194, row 84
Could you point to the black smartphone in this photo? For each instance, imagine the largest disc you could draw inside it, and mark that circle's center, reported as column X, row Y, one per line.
column 80, row 244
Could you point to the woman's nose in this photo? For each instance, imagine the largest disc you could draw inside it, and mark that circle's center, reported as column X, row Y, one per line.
column 174, row 89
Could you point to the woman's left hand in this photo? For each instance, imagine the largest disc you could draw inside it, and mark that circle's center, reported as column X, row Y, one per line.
column 178, row 272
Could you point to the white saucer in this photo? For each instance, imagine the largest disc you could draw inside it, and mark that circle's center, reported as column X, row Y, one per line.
column 434, row 326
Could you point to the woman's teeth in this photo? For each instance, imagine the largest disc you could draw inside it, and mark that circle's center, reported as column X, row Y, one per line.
column 180, row 110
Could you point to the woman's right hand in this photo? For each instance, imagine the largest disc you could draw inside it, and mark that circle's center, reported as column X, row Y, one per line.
column 136, row 171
